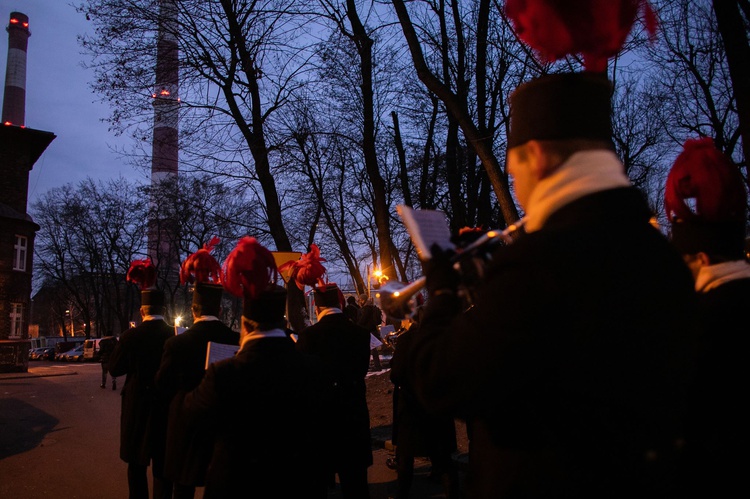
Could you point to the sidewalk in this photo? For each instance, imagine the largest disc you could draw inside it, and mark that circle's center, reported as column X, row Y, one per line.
column 42, row 370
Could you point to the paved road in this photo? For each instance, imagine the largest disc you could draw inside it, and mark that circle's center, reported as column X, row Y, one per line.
column 59, row 437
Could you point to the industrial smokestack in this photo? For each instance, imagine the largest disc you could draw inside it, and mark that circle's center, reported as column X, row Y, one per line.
column 162, row 245
column 14, row 102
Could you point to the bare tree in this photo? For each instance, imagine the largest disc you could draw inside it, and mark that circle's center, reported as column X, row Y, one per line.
column 456, row 104
column 733, row 19
column 89, row 235
column 239, row 62
column 690, row 67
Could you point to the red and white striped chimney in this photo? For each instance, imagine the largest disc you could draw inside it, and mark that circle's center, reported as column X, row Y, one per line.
column 162, row 247
column 14, row 101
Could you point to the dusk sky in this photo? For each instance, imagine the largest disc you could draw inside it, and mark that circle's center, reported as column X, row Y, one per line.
column 59, row 100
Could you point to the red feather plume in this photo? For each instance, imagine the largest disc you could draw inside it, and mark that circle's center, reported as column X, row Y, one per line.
column 249, row 269
column 201, row 266
column 705, row 175
column 142, row 273
column 307, row 270
column 596, row 29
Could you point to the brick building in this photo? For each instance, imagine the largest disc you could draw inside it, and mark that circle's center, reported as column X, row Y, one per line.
column 20, row 148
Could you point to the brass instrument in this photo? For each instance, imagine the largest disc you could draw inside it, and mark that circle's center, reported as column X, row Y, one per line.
column 391, row 338
column 398, row 300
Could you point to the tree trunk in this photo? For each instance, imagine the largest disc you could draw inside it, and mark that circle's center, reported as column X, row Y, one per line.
column 482, row 145
column 734, row 34
column 382, row 216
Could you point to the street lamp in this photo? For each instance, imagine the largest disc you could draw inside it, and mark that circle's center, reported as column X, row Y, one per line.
column 68, row 314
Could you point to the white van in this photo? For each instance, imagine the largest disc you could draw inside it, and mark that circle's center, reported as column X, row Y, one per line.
column 91, row 349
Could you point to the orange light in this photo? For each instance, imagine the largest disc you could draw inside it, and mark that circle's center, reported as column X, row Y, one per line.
column 13, row 20
column 25, row 25
column 7, row 123
column 164, row 91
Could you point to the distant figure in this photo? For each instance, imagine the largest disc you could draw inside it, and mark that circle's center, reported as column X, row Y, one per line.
column 264, row 404
column 143, row 416
column 370, row 317
column 351, row 310
column 183, row 366
column 106, row 347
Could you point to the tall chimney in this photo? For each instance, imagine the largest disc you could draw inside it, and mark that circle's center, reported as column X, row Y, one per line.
column 14, row 102
column 164, row 155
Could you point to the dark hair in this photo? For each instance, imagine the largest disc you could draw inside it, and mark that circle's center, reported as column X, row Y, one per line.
column 351, row 300
column 154, row 309
column 264, row 325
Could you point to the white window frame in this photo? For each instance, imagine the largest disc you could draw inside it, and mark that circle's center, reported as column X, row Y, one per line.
column 21, row 248
column 16, row 320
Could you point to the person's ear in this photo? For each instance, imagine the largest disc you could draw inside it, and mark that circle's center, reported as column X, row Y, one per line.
column 540, row 162
column 703, row 258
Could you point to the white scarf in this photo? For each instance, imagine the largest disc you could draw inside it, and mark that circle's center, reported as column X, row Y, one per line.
column 712, row 276
column 328, row 311
column 205, row 318
column 256, row 335
column 583, row 173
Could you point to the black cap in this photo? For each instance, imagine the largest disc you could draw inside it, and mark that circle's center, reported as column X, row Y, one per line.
column 327, row 296
column 269, row 306
column 725, row 238
column 561, row 107
column 208, row 296
column 152, row 298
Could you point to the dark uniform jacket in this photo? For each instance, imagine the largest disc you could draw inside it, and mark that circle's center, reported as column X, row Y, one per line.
column 572, row 363
column 344, row 348
column 265, row 407
column 370, row 317
column 416, row 432
column 717, row 436
column 182, row 368
column 143, row 414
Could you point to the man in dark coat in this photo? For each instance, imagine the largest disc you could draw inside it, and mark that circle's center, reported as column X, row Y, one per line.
column 706, row 203
column 106, row 347
column 265, row 403
column 417, row 432
column 572, row 363
column 370, row 317
column 183, row 365
column 344, row 348
column 351, row 310
column 143, row 414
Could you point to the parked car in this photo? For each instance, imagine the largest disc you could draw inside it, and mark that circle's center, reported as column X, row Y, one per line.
column 65, row 346
column 72, row 355
column 48, row 353
column 42, row 353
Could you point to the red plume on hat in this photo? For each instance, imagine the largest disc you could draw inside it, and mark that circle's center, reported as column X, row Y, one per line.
column 308, row 270
column 249, row 269
column 142, row 273
column 201, row 266
column 596, row 29
column 704, row 184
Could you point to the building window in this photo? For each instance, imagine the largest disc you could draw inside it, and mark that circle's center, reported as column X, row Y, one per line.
column 16, row 320
column 21, row 247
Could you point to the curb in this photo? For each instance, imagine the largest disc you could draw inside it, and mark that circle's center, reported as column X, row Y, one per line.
column 4, row 376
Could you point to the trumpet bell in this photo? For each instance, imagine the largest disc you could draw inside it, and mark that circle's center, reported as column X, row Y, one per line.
column 399, row 300
column 391, row 338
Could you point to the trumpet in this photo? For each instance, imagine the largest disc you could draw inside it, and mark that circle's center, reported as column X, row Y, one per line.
column 399, row 300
